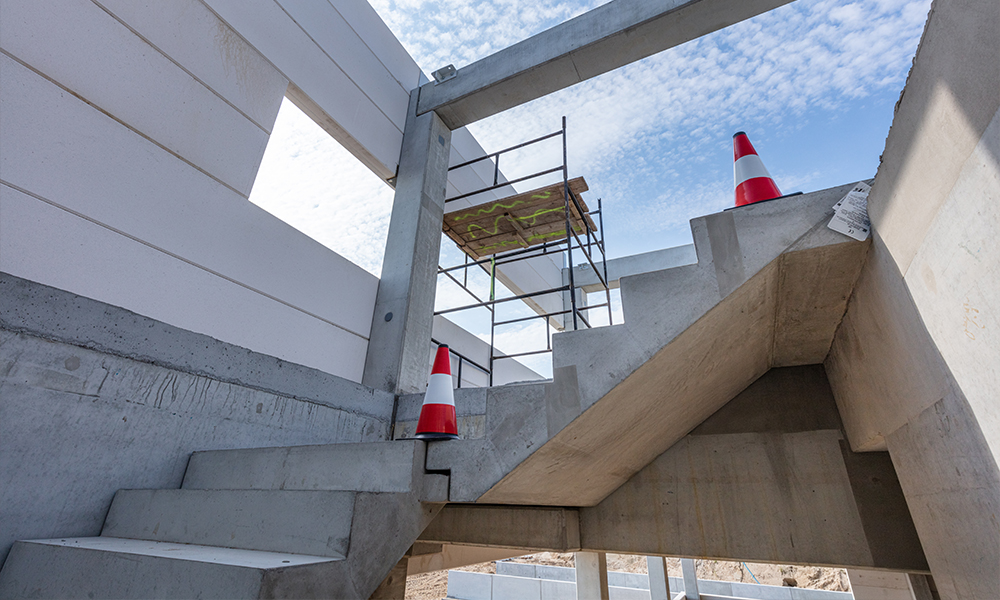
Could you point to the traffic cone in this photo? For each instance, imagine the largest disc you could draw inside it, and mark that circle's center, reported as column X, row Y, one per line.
column 752, row 181
column 437, row 416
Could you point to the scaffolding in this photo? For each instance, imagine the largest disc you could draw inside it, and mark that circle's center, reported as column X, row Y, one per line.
column 548, row 220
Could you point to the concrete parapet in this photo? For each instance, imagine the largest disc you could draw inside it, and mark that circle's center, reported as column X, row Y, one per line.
column 50, row 313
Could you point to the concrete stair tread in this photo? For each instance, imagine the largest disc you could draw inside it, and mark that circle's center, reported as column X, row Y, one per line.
column 106, row 567
column 363, row 467
column 307, row 522
column 237, row 557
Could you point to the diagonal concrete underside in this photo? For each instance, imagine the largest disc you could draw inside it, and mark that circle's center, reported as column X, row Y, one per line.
column 769, row 290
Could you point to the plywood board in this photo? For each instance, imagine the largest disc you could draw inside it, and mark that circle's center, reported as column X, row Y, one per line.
column 519, row 221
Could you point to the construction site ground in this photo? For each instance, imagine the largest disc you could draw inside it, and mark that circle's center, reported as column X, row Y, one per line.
column 434, row 585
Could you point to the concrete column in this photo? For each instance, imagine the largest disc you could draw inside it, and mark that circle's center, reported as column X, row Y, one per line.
column 882, row 585
column 659, row 584
column 581, row 301
column 690, row 571
column 400, row 339
column 592, row 576
column 920, row 589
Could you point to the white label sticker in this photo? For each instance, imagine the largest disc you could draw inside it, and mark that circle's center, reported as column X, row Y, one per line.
column 851, row 213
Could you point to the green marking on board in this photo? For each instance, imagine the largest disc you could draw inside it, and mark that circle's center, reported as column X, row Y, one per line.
column 496, row 228
column 486, row 211
column 499, row 245
column 536, row 214
column 542, row 236
column 496, row 222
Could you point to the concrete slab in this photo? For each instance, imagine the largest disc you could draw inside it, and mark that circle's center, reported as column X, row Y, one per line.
column 116, row 568
column 506, row 587
column 466, row 585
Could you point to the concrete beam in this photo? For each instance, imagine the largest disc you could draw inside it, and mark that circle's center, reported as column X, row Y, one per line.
column 539, row 528
column 601, row 40
column 452, row 556
column 404, row 306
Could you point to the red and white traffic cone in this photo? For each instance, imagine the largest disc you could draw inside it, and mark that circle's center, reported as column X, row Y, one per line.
column 437, row 416
column 752, row 181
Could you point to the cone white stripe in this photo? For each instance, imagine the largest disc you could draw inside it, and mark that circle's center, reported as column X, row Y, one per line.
column 748, row 167
column 439, row 390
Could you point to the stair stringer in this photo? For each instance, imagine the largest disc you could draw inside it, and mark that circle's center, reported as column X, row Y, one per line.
column 694, row 337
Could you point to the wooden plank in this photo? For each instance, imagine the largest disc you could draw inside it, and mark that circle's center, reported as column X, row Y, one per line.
column 521, row 220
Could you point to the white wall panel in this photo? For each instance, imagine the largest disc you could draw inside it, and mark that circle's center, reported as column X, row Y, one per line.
column 46, row 244
column 357, row 122
column 89, row 52
column 61, row 149
column 379, row 38
column 338, row 40
column 191, row 35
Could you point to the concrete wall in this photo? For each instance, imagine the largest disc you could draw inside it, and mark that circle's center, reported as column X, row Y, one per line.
column 94, row 398
column 915, row 366
column 131, row 137
column 765, row 478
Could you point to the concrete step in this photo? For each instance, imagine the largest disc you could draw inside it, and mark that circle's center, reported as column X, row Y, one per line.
column 370, row 467
column 315, row 523
column 106, row 567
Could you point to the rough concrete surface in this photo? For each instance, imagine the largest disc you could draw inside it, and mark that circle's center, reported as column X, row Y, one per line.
column 317, row 523
column 770, row 465
column 79, row 424
column 650, row 381
column 404, row 307
column 51, row 313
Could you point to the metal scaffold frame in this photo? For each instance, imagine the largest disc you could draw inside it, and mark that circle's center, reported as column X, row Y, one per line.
column 572, row 241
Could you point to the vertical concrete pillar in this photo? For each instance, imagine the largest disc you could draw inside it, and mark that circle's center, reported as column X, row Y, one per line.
column 659, row 585
column 919, row 587
column 690, row 571
column 592, row 576
column 581, row 301
column 882, row 585
column 399, row 346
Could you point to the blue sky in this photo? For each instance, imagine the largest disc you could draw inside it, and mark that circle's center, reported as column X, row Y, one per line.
column 813, row 83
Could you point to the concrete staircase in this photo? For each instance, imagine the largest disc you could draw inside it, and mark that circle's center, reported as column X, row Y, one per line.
column 769, row 290
column 306, row 521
